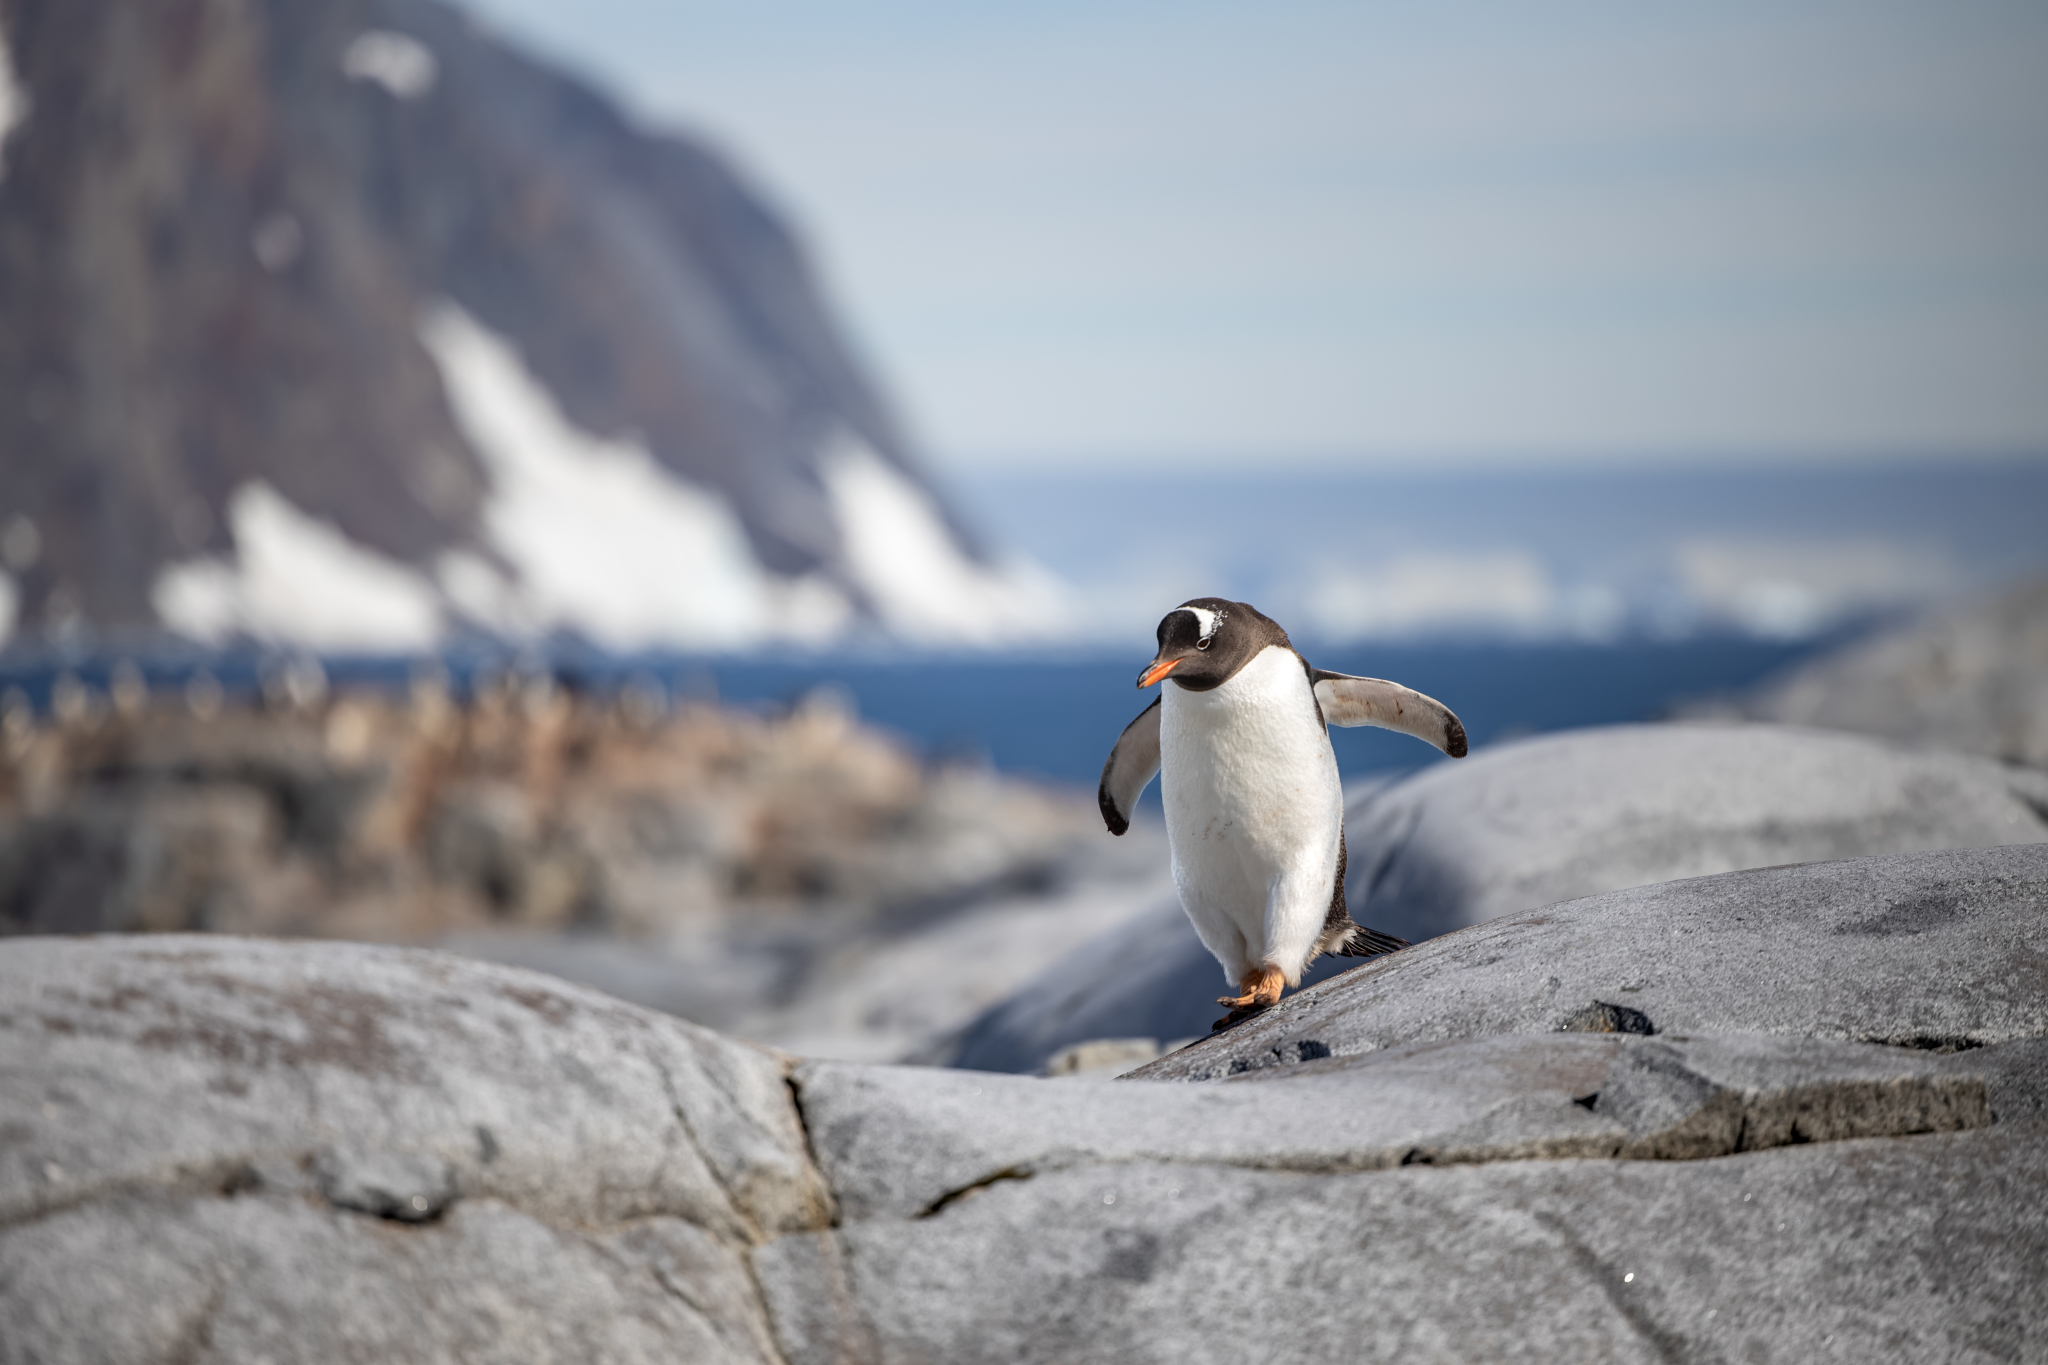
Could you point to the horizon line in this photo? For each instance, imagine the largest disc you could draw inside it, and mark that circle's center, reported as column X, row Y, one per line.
column 1110, row 464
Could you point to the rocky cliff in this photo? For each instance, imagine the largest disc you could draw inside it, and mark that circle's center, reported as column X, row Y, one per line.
column 343, row 323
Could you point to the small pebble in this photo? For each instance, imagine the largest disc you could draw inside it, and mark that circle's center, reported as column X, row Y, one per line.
column 1629, row 1278
column 52, row 1172
column 1109, row 1199
column 419, row 1201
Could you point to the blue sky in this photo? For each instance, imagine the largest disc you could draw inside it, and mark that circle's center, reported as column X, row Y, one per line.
column 1362, row 235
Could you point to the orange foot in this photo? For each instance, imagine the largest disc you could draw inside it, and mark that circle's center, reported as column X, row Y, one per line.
column 1262, row 987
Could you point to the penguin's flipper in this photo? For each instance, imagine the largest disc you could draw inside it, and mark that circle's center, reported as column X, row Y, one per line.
column 1375, row 701
column 1132, row 763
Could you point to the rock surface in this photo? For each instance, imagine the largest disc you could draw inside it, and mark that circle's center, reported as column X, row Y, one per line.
column 902, row 1142
column 1927, row 951
column 201, row 1132
column 209, row 1147
column 1973, row 678
column 1542, row 821
column 1925, row 1248
column 208, row 1064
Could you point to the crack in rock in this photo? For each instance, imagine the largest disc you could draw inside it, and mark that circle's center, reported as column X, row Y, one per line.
column 951, row 1197
column 1928, row 1042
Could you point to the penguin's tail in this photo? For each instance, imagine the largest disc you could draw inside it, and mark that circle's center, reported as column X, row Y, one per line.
column 1364, row 942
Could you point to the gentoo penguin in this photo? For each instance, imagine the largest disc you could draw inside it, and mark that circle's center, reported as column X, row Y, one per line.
column 1254, row 809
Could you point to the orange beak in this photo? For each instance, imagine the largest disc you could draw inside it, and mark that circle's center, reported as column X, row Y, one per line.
column 1159, row 670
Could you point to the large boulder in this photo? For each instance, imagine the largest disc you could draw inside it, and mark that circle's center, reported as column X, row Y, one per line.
column 227, row 1149
column 1930, row 951
column 1542, row 821
column 1910, row 1248
column 1519, row 1178
column 222, row 1150
column 1974, row 677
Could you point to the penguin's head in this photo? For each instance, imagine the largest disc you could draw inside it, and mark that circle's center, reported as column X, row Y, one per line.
column 1205, row 640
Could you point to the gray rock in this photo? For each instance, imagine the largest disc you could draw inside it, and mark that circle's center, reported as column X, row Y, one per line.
column 222, row 1149
column 1570, row 815
column 906, row 1142
column 157, row 1277
column 208, row 1148
column 1409, row 1201
column 182, row 1062
column 1923, row 1248
column 1974, row 678
column 1538, row 822
column 1102, row 1057
column 1928, row 950
column 2016, row 1075
column 412, row 1187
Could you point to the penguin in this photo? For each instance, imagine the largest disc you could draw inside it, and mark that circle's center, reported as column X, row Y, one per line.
column 1254, row 808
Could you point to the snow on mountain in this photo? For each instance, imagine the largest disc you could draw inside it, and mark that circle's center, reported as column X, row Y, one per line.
column 369, row 330
column 296, row 579
column 594, row 534
column 924, row 588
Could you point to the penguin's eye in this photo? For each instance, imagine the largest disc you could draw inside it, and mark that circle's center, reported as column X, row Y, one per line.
column 1201, row 644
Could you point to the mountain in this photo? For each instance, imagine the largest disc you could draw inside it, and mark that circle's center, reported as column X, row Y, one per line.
column 343, row 324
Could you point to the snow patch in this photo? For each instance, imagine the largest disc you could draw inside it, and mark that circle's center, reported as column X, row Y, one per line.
column 600, row 538
column 402, row 64
column 297, row 580
column 13, row 99
column 926, row 589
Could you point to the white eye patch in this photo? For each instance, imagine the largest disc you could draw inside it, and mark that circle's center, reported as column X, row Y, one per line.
column 1205, row 619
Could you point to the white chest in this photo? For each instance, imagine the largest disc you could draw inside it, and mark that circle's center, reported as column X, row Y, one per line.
column 1247, row 764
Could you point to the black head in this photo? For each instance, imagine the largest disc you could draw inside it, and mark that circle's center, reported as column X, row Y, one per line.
column 1205, row 640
